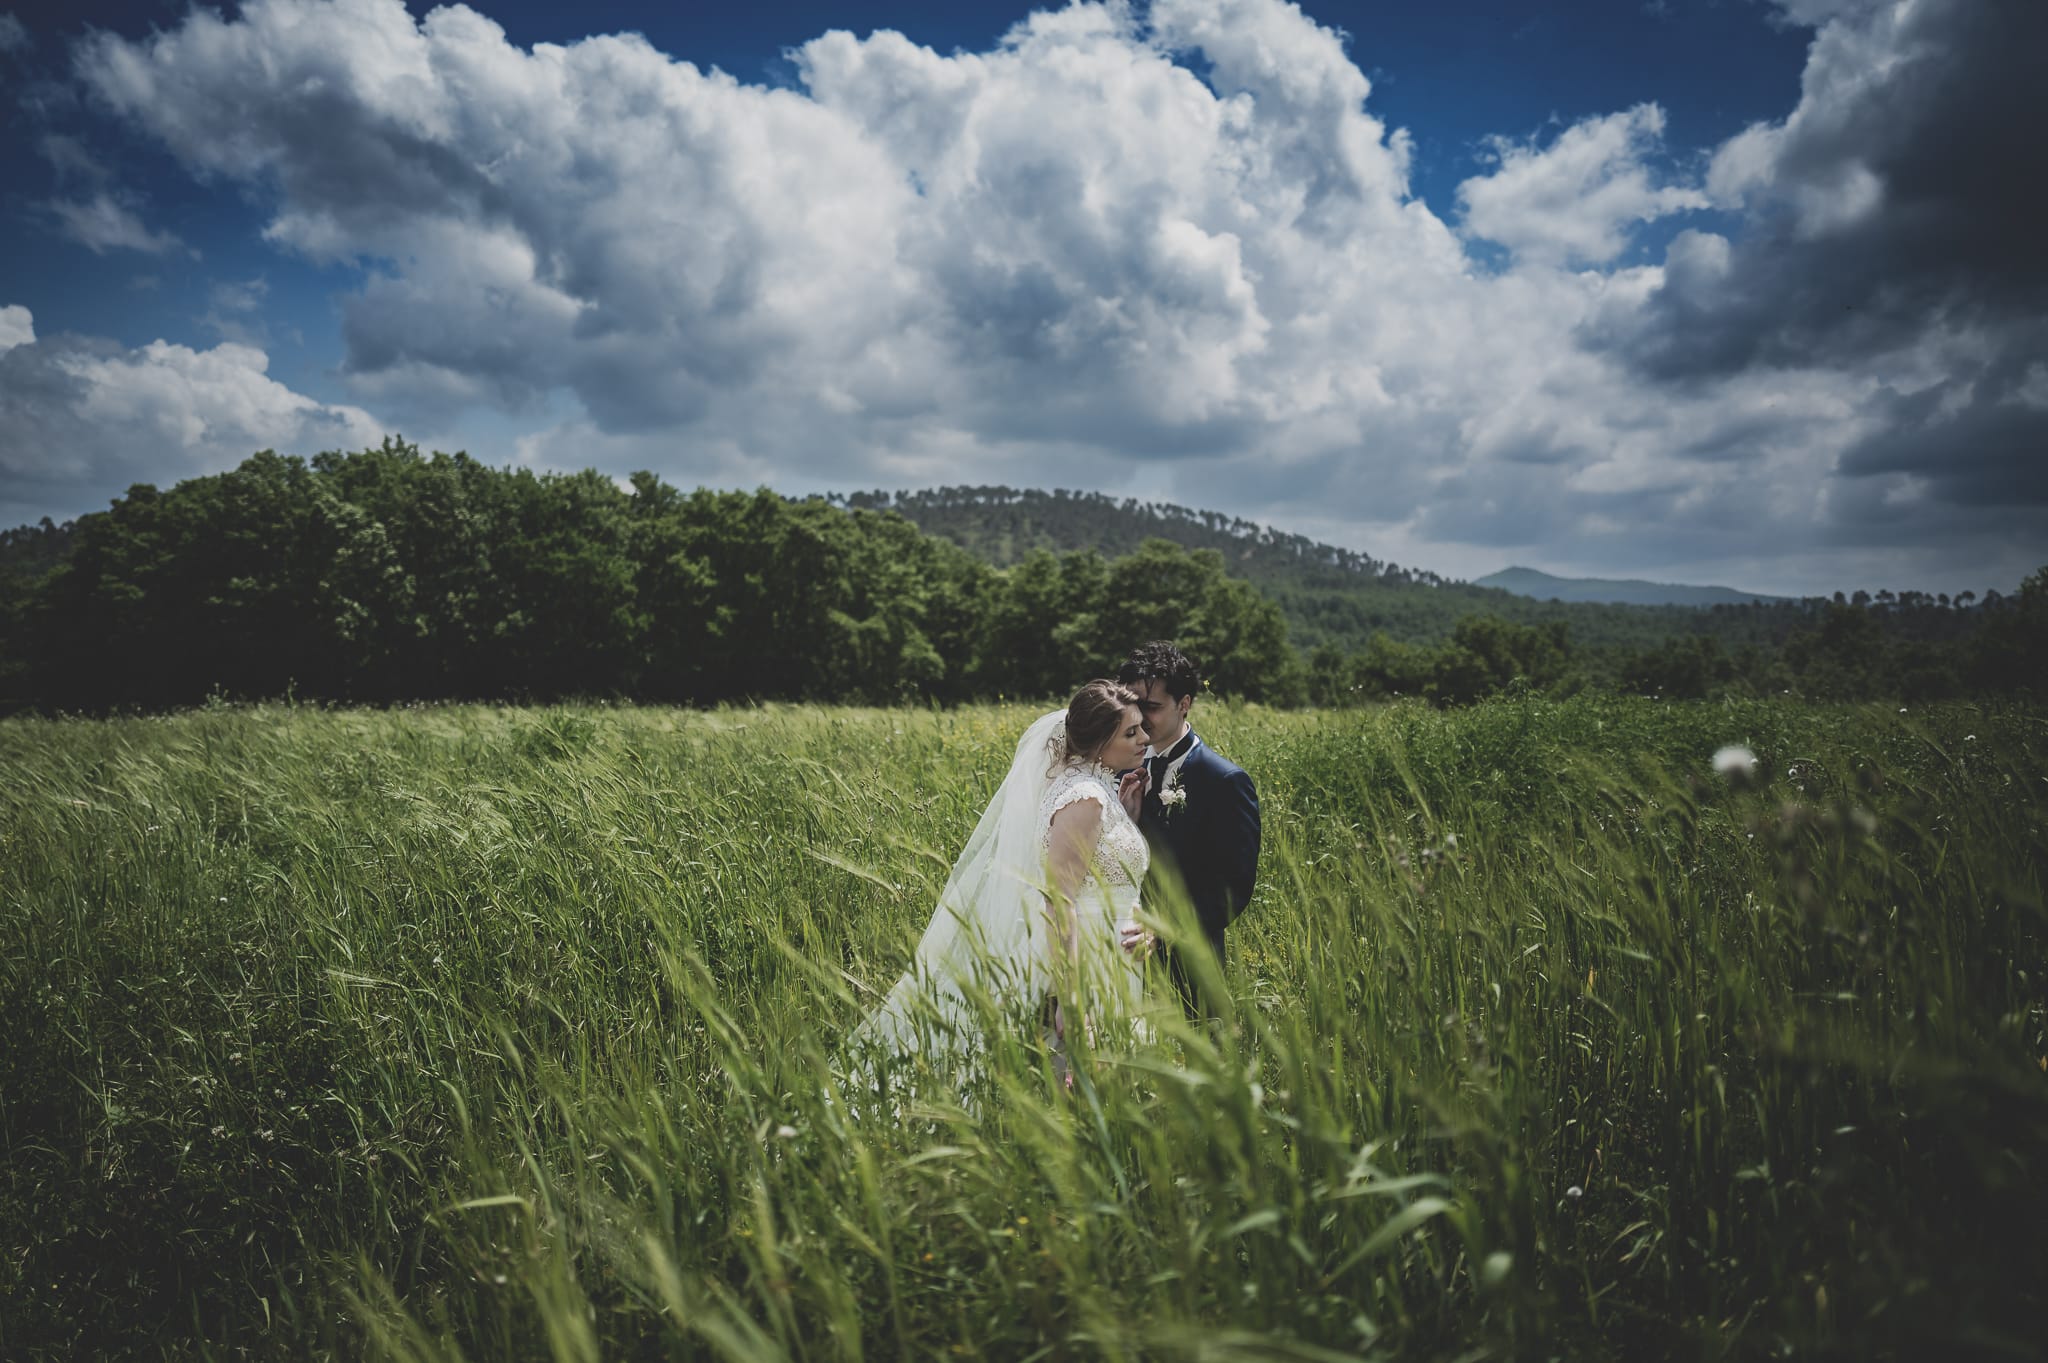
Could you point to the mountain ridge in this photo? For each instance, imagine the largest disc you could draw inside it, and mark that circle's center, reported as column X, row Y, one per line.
column 1330, row 596
column 1542, row 586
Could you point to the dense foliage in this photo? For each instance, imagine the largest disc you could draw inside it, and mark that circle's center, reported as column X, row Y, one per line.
column 510, row 1034
column 386, row 575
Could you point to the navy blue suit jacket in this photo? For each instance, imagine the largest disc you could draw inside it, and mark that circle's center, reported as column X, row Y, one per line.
column 1210, row 840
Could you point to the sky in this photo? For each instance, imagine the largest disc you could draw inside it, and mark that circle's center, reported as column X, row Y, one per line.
column 1735, row 291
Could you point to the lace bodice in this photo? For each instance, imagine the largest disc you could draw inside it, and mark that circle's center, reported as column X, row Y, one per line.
column 1121, row 856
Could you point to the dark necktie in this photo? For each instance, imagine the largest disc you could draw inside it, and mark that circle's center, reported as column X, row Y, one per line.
column 1155, row 767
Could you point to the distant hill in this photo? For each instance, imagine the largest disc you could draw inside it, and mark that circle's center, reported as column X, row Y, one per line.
column 1544, row 586
column 1331, row 596
column 1003, row 524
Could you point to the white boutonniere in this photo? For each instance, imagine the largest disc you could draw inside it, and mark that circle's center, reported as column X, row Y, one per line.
column 1171, row 794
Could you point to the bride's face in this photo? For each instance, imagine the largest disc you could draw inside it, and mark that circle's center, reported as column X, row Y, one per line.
column 1126, row 747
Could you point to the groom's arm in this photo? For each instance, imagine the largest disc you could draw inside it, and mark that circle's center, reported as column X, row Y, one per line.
column 1234, row 842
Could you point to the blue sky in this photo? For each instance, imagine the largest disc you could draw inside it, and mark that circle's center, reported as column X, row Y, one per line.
column 1703, row 291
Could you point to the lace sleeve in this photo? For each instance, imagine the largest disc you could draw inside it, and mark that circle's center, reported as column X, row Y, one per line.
column 1064, row 792
column 1080, row 790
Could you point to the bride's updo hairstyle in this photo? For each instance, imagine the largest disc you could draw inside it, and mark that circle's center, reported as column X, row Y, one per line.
column 1093, row 716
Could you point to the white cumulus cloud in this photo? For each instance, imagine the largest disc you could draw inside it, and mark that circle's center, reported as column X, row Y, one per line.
column 1576, row 200
column 82, row 419
column 17, row 326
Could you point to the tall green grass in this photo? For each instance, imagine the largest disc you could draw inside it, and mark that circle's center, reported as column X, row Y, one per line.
column 465, row 1032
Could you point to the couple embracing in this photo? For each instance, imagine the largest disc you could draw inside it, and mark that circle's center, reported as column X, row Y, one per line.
column 1113, row 806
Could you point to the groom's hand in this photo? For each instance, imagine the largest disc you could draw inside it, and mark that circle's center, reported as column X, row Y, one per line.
column 1130, row 789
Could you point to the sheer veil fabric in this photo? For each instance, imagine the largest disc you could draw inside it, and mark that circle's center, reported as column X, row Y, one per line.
column 986, row 938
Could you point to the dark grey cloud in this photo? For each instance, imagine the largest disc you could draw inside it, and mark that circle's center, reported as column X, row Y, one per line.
column 1977, row 444
column 1937, row 110
column 1893, row 233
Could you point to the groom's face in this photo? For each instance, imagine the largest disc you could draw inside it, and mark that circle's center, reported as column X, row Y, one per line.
column 1165, row 716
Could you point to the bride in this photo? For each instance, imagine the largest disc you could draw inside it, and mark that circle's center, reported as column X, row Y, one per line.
column 1041, row 908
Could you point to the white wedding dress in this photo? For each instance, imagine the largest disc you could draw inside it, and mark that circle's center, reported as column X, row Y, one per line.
column 1109, row 896
column 991, row 946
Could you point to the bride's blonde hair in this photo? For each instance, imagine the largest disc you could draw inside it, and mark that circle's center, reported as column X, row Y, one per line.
column 1093, row 716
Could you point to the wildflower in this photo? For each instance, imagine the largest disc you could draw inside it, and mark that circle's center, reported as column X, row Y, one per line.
column 1734, row 761
column 1574, row 1193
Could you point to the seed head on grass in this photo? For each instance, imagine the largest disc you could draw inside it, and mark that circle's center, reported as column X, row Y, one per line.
column 1734, row 762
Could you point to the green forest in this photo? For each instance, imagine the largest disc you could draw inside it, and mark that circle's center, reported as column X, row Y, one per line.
column 391, row 575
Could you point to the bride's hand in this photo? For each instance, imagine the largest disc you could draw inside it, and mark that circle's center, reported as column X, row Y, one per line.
column 1130, row 791
column 1138, row 939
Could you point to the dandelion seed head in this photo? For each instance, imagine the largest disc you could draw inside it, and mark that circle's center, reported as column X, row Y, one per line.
column 1734, row 760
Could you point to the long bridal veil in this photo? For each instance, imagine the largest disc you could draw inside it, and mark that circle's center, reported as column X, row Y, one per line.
column 985, row 937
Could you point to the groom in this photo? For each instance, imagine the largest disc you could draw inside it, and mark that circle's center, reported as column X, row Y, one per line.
column 1198, row 811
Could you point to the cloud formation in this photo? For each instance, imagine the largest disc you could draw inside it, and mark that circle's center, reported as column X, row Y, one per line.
column 1895, row 199
column 1577, row 200
column 86, row 418
column 102, row 223
column 1168, row 251
column 1892, row 231
column 17, row 326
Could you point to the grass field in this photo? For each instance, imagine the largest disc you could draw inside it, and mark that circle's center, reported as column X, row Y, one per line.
column 486, row 1033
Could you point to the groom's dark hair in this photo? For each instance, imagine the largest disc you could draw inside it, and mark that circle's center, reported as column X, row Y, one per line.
column 1160, row 661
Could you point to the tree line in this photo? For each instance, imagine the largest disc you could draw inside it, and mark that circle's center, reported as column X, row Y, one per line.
column 388, row 575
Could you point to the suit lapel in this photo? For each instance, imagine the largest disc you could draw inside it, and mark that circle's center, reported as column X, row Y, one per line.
column 1171, row 829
